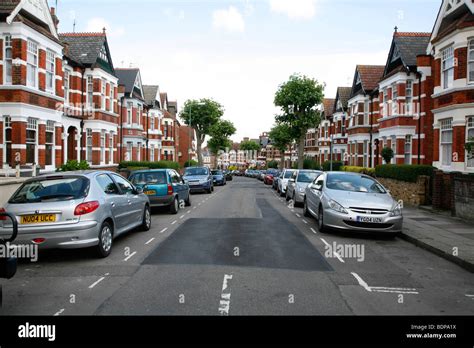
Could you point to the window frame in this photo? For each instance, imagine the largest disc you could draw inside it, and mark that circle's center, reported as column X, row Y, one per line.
column 446, row 126
column 50, row 71
column 469, row 127
column 409, row 97
column 395, row 99
column 90, row 91
column 89, row 145
column 8, row 62
column 447, row 55
column 50, row 128
column 33, row 65
column 408, row 151
column 470, row 61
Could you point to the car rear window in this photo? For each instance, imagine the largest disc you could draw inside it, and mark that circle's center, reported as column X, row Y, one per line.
column 288, row 174
column 353, row 183
column 156, row 178
column 216, row 172
column 54, row 189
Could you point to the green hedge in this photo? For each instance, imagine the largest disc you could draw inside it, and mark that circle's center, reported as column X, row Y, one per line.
column 336, row 166
column 73, row 165
column 149, row 165
column 408, row 173
column 361, row 170
column 190, row 163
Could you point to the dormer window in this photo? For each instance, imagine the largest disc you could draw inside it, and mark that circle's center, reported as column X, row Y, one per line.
column 453, row 5
column 396, row 54
column 103, row 54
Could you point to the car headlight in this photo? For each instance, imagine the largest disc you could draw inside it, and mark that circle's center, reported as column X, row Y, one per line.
column 202, row 181
column 397, row 211
column 337, row 207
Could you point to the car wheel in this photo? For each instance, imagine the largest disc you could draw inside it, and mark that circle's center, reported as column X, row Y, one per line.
column 146, row 223
column 106, row 238
column 174, row 207
column 305, row 208
column 188, row 201
column 321, row 226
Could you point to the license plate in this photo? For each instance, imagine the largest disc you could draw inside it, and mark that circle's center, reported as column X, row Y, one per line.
column 372, row 220
column 37, row 219
column 193, row 183
column 150, row 193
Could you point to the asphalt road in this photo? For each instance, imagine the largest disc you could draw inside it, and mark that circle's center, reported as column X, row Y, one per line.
column 240, row 251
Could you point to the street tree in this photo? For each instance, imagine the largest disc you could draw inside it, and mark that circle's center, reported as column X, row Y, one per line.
column 281, row 137
column 249, row 145
column 220, row 137
column 201, row 115
column 299, row 99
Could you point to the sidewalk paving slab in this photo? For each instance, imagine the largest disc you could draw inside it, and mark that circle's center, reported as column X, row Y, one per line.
column 443, row 235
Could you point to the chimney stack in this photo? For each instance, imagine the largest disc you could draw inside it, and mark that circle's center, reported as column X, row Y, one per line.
column 55, row 18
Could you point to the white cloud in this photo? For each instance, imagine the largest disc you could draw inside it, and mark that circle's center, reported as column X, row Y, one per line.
column 173, row 14
column 296, row 9
column 97, row 24
column 230, row 20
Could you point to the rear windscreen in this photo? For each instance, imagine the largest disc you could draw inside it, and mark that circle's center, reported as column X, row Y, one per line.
column 157, row 178
column 61, row 189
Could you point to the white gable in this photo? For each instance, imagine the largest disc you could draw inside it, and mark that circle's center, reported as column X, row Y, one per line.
column 447, row 7
column 37, row 8
column 138, row 83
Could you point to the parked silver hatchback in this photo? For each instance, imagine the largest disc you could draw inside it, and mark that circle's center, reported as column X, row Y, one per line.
column 350, row 201
column 77, row 210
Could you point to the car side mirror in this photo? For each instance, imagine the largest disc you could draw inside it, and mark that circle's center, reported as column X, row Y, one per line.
column 138, row 190
column 291, row 180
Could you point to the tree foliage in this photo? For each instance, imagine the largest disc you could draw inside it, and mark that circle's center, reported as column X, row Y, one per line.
column 387, row 154
column 298, row 99
column 280, row 136
column 249, row 145
column 202, row 115
column 220, row 136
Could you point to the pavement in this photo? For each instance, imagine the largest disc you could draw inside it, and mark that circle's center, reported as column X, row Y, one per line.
column 446, row 236
column 241, row 251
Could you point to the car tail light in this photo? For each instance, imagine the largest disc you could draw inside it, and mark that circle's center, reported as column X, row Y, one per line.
column 86, row 208
column 170, row 190
column 3, row 218
column 38, row 240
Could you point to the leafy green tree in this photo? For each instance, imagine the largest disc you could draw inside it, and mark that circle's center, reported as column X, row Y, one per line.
column 281, row 137
column 220, row 137
column 387, row 154
column 190, row 163
column 272, row 165
column 249, row 145
column 298, row 99
column 201, row 115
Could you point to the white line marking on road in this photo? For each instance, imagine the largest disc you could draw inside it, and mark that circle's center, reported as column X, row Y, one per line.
column 313, row 230
column 470, row 296
column 361, row 282
column 59, row 313
column 164, row 230
column 305, row 222
column 174, row 222
column 194, row 208
column 224, row 304
column 181, row 217
column 97, row 282
column 151, row 240
column 334, row 253
column 189, row 212
column 298, row 215
column 382, row 289
column 130, row 256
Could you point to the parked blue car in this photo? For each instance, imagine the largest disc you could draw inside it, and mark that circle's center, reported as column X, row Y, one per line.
column 199, row 179
column 219, row 177
column 164, row 188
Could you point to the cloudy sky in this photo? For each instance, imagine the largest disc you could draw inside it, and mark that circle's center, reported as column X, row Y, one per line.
column 238, row 52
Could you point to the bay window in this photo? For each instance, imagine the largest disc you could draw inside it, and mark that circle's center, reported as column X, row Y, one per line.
column 102, row 94
column 111, row 148
column 446, row 141
column 89, row 145
column 409, row 98
column 395, row 100
column 8, row 60
column 50, row 63
column 129, row 113
column 447, row 71
column 66, row 86
column 470, row 62
column 31, row 140
column 90, row 91
column 102, row 147
column 32, row 64
column 408, row 141
column 7, row 126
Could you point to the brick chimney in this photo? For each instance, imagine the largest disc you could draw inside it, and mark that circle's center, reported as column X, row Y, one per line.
column 55, row 18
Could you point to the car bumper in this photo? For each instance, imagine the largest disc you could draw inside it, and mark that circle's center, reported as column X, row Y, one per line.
column 68, row 236
column 161, row 201
column 219, row 182
column 200, row 187
column 299, row 197
column 348, row 222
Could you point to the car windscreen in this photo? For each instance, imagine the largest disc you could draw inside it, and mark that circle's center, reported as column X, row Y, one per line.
column 196, row 171
column 57, row 189
column 151, row 178
column 353, row 183
column 288, row 174
column 216, row 172
column 307, row 177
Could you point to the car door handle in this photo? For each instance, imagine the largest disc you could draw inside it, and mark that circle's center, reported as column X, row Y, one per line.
column 129, row 202
column 112, row 204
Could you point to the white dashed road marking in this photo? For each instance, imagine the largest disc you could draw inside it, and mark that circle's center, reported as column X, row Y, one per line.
column 151, row 240
column 130, row 256
column 59, row 313
column 314, row 231
column 97, row 282
column 334, row 253
column 164, row 230
column 384, row 289
column 174, row 222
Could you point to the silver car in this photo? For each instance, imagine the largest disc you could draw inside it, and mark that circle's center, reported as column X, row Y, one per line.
column 77, row 210
column 350, row 201
column 298, row 183
column 283, row 181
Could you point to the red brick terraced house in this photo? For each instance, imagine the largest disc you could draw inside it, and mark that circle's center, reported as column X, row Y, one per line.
column 362, row 126
column 448, row 75
column 91, row 111
column 402, row 124
column 154, row 117
column 132, row 136
column 31, row 86
column 324, row 135
column 338, row 124
column 187, row 144
column 173, row 110
column 170, row 130
column 311, row 149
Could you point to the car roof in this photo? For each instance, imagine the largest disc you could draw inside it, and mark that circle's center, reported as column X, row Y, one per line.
column 150, row 170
